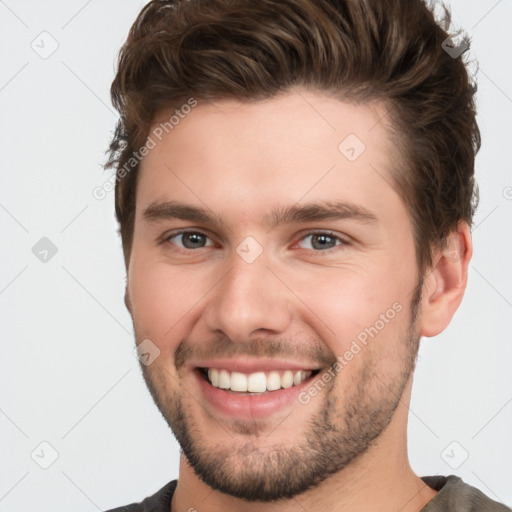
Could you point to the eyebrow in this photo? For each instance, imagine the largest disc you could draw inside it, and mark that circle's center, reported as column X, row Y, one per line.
column 321, row 211
column 158, row 211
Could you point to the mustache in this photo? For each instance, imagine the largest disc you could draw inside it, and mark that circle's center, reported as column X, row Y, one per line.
column 223, row 347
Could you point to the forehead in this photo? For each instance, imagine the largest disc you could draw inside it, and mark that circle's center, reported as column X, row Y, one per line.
column 302, row 145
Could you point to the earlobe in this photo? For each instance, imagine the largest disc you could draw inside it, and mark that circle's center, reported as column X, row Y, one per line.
column 446, row 281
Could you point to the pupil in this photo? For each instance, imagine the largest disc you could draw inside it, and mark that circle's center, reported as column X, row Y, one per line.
column 193, row 240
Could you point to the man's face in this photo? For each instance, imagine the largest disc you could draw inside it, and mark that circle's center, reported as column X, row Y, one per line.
column 269, row 253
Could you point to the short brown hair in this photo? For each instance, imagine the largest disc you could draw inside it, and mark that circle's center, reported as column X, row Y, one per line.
column 357, row 50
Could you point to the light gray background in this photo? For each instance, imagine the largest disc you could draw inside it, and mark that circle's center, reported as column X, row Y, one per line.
column 67, row 372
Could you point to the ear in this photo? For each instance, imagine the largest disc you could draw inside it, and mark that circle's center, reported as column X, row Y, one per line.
column 445, row 283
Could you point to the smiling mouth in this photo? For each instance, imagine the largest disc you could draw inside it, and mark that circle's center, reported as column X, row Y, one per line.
column 256, row 383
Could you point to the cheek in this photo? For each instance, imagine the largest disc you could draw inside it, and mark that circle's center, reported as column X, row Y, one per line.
column 163, row 300
column 347, row 305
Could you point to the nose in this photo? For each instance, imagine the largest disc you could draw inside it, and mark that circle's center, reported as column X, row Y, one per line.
column 249, row 301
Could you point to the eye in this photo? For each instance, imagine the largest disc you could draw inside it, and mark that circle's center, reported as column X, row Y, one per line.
column 189, row 240
column 320, row 241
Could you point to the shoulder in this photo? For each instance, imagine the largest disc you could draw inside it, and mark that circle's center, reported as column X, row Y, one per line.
column 158, row 502
column 455, row 495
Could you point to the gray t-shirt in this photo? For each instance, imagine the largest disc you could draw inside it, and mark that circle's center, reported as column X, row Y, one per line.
column 453, row 496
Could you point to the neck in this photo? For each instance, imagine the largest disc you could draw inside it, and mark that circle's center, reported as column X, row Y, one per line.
column 380, row 479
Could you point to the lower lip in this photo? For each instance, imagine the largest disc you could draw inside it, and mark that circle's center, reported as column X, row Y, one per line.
column 250, row 406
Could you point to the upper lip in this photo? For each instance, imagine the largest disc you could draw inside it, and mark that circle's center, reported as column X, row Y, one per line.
column 252, row 365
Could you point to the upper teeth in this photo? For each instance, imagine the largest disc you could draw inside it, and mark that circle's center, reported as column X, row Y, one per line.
column 258, row 382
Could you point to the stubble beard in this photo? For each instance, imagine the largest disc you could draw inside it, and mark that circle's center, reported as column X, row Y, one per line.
column 337, row 435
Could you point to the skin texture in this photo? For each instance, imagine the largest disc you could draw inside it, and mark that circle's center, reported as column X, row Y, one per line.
column 295, row 301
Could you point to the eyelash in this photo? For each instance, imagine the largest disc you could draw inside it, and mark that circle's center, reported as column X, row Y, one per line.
column 342, row 243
